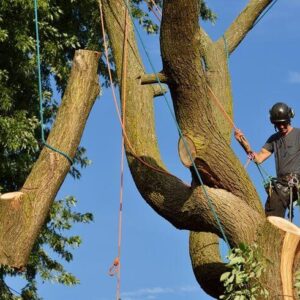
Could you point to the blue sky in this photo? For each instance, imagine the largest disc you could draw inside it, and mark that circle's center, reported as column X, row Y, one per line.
column 265, row 69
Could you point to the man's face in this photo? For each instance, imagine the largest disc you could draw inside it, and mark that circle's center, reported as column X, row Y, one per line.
column 282, row 127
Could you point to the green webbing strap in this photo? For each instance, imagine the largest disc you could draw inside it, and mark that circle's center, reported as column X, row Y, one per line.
column 210, row 202
column 261, row 171
column 40, row 87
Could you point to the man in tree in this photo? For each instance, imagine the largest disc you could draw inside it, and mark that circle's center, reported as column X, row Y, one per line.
column 285, row 144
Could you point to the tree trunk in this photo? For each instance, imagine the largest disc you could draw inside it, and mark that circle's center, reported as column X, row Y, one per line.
column 195, row 69
column 23, row 213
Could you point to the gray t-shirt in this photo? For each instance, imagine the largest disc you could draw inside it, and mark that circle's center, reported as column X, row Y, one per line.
column 286, row 150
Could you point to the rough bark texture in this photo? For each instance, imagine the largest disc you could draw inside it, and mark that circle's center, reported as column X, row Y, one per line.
column 22, row 217
column 195, row 74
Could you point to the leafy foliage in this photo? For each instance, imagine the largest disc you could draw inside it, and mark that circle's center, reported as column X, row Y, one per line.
column 242, row 281
column 64, row 27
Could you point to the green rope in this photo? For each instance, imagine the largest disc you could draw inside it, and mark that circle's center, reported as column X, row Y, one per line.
column 40, row 87
column 210, row 202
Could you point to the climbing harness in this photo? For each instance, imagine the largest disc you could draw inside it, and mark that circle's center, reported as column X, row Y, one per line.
column 40, row 87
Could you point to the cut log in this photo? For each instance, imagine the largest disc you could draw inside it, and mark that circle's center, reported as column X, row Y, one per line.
column 289, row 247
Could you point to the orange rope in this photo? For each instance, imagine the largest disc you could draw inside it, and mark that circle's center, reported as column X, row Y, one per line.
column 218, row 102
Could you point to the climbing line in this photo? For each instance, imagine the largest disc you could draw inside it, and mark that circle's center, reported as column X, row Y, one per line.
column 115, row 269
column 210, row 202
column 128, row 143
column 158, row 17
column 40, row 87
column 123, row 95
column 156, row 7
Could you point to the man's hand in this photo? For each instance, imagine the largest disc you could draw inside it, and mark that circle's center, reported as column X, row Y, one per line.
column 239, row 136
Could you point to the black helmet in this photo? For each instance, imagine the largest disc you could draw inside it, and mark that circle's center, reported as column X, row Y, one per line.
column 280, row 112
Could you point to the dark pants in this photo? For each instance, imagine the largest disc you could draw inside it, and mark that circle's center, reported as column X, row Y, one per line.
column 279, row 199
column 275, row 206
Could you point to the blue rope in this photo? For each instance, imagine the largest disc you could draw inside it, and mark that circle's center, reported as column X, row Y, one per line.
column 40, row 87
column 210, row 202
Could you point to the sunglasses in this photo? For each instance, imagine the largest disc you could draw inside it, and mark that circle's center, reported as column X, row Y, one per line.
column 281, row 124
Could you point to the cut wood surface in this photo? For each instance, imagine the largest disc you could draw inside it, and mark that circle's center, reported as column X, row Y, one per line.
column 11, row 196
column 186, row 150
column 288, row 253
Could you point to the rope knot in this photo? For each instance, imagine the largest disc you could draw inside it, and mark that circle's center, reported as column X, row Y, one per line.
column 114, row 267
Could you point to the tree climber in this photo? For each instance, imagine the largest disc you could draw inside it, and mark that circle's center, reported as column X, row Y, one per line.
column 285, row 144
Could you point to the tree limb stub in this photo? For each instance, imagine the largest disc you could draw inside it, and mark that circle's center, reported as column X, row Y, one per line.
column 189, row 208
column 158, row 90
column 23, row 213
column 153, row 78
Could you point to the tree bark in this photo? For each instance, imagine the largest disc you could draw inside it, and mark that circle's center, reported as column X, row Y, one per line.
column 23, row 214
column 196, row 71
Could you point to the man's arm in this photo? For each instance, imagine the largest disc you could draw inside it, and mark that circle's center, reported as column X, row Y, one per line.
column 261, row 156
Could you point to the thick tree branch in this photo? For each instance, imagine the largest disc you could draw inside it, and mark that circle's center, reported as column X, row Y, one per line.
column 23, row 216
column 159, row 90
column 206, row 262
column 189, row 208
column 244, row 23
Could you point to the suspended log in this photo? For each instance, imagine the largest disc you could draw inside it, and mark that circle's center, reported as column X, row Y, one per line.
column 23, row 213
